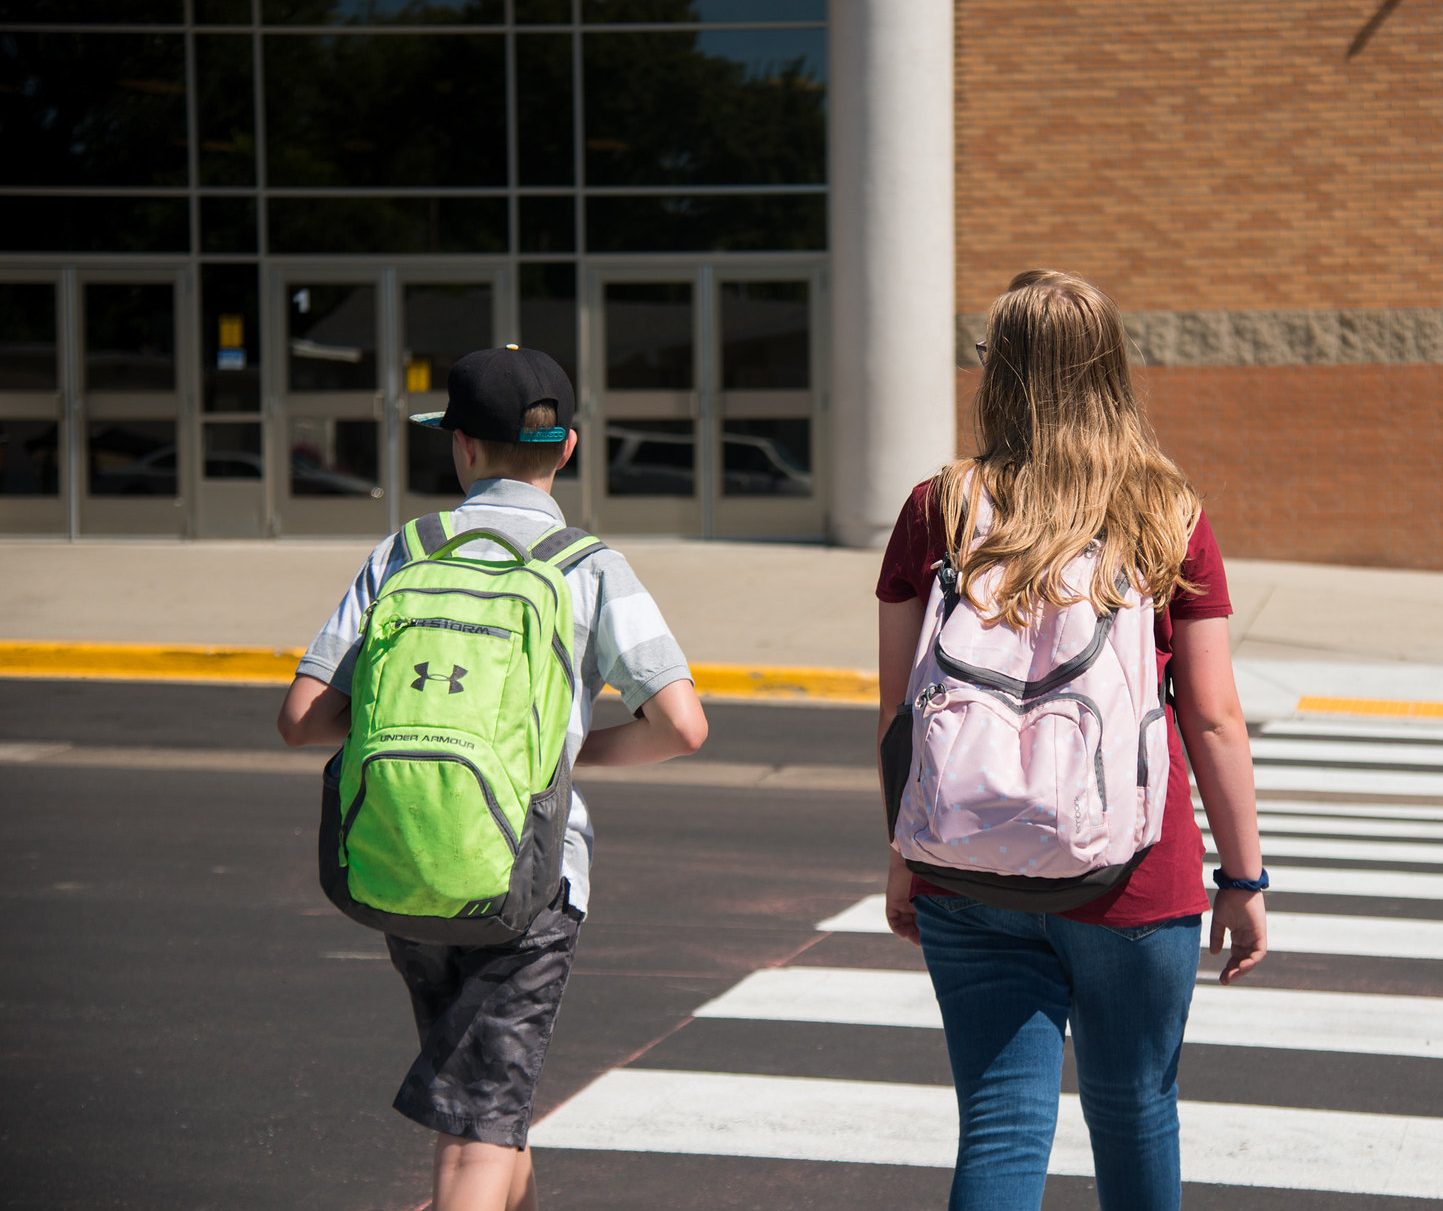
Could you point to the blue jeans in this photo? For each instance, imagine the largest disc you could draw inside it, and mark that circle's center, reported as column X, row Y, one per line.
column 1008, row 983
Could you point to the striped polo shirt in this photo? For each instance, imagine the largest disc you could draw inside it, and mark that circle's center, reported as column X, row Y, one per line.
column 621, row 639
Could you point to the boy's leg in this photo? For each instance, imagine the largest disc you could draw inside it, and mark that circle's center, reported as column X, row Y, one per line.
column 472, row 1176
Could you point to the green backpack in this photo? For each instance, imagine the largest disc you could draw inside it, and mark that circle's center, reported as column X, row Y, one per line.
column 444, row 815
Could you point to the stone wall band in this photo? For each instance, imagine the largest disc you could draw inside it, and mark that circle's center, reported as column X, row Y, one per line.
column 1404, row 336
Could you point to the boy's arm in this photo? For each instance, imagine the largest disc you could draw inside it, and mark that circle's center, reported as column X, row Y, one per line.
column 671, row 724
column 314, row 713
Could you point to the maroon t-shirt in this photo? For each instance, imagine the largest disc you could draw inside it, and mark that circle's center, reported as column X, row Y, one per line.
column 1168, row 882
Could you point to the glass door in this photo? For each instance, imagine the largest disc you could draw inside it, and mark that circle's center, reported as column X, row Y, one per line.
column 766, row 428
column 442, row 318
column 34, row 476
column 328, row 418
column 705, row 383
column 135, row 470
column 641, row 466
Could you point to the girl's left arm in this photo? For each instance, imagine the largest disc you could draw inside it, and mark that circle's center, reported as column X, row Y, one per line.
column 899, row 626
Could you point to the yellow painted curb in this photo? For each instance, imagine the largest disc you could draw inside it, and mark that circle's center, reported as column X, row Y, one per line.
column 276, row 666
column 146, row 662
column 1376, row 707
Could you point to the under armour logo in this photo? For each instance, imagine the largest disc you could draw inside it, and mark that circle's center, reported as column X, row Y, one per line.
column 424, row 675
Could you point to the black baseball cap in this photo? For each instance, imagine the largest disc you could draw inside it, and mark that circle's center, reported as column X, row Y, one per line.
column 489, row 391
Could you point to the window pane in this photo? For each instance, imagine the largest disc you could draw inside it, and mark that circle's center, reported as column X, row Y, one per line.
column 233, row 452
column 223, row 12
column 707, row 224
column 377, row 111
column 93, row 109
column 767, row 457
column 712, row 108
column 27, row 337
column 334, row 457
column 228, row 225
column 108, row 224
column 548, row 224
column 543, row 12
column 548, row 312
column 544, row 148
column 29, row 465
column 758, row 11
column 648, row 336
column 131, row 458
column 100, row 12
column 394, row 225
column 382, row 12
column 130, row 336
column 765, row 336
column 429, row 469
column 230, row 338
column 332, row 345
column 651, row 458
column 225, row 109
column 443, row 322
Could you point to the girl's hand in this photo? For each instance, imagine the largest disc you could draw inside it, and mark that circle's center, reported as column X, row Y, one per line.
column 1242, row 915
column 901, row 917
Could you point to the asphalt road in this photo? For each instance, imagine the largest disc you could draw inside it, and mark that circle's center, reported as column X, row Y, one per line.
column 187, row 1023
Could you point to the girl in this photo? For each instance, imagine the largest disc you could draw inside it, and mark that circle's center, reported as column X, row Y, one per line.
column 1067, row 459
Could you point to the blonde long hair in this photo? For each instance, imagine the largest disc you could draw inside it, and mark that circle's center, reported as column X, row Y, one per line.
column 1067, row 458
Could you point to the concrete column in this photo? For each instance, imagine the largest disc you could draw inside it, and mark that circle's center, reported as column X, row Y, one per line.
column 891, row 181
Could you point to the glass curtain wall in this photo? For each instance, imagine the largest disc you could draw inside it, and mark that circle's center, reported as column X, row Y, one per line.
column 217, row 139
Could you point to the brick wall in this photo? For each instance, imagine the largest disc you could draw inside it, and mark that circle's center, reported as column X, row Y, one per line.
column 1314, row 464
column 1243, row 156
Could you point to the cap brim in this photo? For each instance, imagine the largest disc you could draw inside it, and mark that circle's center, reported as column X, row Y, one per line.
column 432, row 420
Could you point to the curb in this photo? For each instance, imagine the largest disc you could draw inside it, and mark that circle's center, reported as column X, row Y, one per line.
column 276, row 666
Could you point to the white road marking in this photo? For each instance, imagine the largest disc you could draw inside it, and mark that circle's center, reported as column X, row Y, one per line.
column 1355, row 1023
column 1302, row 778
column 1335, row 881
column 1420, row 730
column 1329, row 752
column 1272, row 823
column 1315, row 807
column 797, row 1118
column 1424, row 853
column 1307, row 933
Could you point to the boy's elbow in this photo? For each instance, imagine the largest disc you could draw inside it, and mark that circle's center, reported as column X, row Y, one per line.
column 692, row 735
column 291, row 730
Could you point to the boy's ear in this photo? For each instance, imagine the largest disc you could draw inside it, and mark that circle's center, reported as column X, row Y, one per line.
column 569, row 449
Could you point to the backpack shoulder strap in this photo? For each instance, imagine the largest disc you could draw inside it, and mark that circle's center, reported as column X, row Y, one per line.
column 426, row 535
column 566, row 547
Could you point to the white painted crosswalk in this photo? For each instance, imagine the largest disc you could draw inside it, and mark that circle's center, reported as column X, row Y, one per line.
column 1348, row 834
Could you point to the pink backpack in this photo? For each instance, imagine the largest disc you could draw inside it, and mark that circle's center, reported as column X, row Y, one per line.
column 1039, row 761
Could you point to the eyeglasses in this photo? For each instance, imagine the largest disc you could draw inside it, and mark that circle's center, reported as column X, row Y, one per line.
column 981, row 347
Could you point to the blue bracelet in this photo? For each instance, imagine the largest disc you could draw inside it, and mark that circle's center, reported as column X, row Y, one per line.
column 1258, row 884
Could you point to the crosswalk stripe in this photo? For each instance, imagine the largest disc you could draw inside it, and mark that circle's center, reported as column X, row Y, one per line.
column 1340, row 826
column 1424, row 853
column 1234, row 1017
column 1356, row 752
column 1337, row 881
column 1330, row 808
column 1300, row 778
column 1353, row 729
column 819, row 1119
column 1308, row 933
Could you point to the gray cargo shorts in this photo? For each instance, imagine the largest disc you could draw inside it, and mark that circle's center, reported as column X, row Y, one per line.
column 485, row 1016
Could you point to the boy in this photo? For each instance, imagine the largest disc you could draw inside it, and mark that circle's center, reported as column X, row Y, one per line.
column 485, row 1014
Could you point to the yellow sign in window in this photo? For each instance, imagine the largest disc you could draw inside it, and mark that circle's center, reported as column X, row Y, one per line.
column 232, row 331
column 418, row 375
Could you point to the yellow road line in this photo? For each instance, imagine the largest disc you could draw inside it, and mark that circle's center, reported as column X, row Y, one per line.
column 276, row 666
column 1377, row 707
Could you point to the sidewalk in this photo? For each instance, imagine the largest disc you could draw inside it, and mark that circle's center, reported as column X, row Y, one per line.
column 775, row 619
